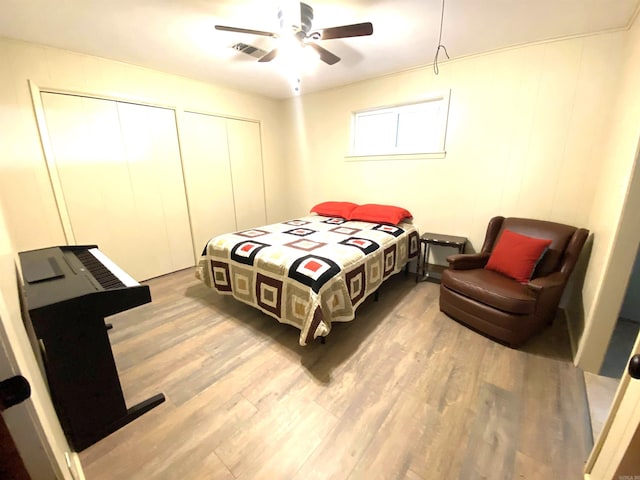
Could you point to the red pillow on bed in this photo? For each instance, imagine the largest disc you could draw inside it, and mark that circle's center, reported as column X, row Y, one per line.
column 334, row 209
column 372, row 212
column 516, row 255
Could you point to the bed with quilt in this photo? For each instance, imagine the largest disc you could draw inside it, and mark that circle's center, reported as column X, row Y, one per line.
column 314, row 270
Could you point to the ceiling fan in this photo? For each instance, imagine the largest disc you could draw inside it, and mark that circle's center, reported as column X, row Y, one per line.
column 303, row 33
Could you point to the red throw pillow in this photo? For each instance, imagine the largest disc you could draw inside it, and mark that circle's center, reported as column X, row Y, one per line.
column 380, row 213
column 516, row 255
column 334, row 209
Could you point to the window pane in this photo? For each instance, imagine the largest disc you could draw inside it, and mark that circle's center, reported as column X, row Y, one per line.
column 375, row 133
column 419, row 130
column 414, row 128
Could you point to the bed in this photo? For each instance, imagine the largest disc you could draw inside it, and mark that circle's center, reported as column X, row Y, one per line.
column 310, row 271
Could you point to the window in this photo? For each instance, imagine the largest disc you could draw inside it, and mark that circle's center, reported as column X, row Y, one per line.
column 417, row 128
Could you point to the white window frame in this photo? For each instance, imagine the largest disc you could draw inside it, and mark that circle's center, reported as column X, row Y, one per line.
column 390, row 152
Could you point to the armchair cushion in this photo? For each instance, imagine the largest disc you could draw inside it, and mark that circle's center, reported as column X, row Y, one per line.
column 492, row 288
column 516, row 255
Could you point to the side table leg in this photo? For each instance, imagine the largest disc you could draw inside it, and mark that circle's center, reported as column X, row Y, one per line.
column 420, row 265
column 426, row 261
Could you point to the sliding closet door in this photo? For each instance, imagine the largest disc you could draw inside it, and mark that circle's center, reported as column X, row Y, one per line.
column 245, row 153
column 89, row 158
column 207, row 176
column 153, row 157
column 119, row 169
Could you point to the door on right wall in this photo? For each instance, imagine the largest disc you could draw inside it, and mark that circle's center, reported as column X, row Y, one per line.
column 626, row 328
column 615, row 454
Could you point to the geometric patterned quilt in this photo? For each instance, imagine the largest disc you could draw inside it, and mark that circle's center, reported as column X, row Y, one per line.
column 307, row 272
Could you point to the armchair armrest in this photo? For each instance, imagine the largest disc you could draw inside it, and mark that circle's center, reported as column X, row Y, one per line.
column 554, row 280
column 467, row 261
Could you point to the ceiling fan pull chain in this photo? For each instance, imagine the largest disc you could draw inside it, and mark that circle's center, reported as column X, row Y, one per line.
column 436, row 70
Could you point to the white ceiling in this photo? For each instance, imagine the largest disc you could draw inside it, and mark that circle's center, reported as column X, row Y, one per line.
column 178, row 36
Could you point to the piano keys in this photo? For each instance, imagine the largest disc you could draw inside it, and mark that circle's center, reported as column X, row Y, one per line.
column 67, row 293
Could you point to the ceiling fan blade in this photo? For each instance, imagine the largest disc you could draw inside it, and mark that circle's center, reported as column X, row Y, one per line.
column 269, row 56
column 325, row 55
column 246, row 30
column 355, row 30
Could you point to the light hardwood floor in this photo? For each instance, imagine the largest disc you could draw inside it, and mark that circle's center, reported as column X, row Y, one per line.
column 601, row 391
column 402, row 392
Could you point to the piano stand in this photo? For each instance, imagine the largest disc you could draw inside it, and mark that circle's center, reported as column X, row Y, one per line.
column 133, row 413
column 68, row 292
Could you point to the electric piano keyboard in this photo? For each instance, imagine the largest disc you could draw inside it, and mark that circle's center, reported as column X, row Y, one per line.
column 67, row 293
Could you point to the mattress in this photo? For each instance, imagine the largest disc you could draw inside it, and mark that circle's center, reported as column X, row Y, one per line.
column 310, row 271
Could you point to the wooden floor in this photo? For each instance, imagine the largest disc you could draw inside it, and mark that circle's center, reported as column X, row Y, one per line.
column 601, row 391
column 402, row 392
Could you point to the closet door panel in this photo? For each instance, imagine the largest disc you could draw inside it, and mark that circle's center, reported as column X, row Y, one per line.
column 87, row 146
column 153, row 157
column 245, row 153
column 207, row 174
column 121, row 180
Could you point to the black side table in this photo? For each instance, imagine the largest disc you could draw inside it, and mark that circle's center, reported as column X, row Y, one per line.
column 428, row 239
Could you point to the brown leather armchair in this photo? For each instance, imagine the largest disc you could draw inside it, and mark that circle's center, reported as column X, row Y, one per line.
column 503, row 308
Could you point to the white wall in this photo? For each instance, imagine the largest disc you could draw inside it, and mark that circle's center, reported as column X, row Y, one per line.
column 615, row 217
column 527, row 133
column 525, row 138
column 25, row 189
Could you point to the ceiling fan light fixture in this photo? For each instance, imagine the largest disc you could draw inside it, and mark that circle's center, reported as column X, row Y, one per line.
column 289, row 51
column 296, row 19
column 310, row 56
column 294, row 59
